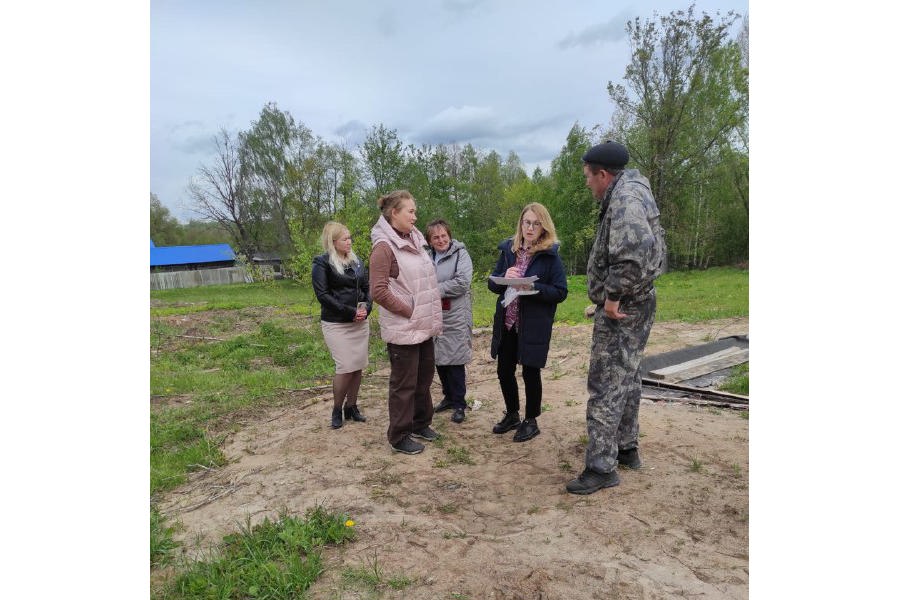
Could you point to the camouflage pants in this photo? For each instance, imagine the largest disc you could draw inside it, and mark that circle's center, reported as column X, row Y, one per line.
column 614, row 381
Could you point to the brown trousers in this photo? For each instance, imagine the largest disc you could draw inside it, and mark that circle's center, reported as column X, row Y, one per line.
column 409, row 393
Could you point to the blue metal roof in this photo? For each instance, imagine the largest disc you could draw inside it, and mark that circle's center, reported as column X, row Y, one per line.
column 184, row 255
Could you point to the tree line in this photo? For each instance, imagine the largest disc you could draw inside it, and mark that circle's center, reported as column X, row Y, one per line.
column 681, row 108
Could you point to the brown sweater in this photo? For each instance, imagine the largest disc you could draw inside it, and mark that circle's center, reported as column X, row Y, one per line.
column 382, row 266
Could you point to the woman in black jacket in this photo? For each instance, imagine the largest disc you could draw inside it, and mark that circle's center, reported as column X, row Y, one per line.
column 523, row 319
column 342, row 288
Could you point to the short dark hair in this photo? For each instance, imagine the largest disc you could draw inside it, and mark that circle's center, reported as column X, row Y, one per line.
column 429, row 229
column 597, row 168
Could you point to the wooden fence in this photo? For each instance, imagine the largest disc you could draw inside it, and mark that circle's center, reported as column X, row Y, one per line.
column 168, row 280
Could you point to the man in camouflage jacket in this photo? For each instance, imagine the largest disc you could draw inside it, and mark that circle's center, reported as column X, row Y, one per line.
column 629, row 253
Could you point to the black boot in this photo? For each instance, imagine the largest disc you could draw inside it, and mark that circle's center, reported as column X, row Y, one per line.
column 590, row 481
column 527, row 430
column 444, row 405
column 352, row 412
column 630, row 458
column 336, row 421
column 509, row 421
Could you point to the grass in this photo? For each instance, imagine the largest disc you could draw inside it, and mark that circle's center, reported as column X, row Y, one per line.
column 372, row 578
column 460, row 455
column 694, row 296
column 281, row 293
column 178, row 445
column 739, row 380
column 271, row 358
column 277, row 559
column 162, row 544
column 691, row 296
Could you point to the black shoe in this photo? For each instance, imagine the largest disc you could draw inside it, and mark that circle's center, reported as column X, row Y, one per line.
column 336, row 420
column 509, row 421
column 459, row 415
column 408, row 446
column 352, row 412
column 426, row 433
column 630, row 458
column 444, row 405
column 590, row 481
column 527, row 430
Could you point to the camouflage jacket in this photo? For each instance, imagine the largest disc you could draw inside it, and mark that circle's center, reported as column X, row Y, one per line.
column 629, row 249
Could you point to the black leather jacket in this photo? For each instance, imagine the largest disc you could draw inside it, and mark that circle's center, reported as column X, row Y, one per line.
column 339, row 293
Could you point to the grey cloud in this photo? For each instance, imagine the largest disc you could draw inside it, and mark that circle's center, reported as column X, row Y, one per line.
column 185, row 125
column 192, row 137
column 197, row 144
column 354, row 132
column 611, row 31
column 461, row 7
column 481, row 126
column 387, row 23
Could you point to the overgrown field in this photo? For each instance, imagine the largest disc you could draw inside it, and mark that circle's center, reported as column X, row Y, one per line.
column 246, row 347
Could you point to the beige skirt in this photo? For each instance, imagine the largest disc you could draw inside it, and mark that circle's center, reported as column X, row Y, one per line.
column 349, row 345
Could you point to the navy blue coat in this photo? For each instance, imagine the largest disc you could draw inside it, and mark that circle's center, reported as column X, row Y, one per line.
column 536, row 312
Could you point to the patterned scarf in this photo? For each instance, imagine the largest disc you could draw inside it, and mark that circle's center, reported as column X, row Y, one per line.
column 523, row 259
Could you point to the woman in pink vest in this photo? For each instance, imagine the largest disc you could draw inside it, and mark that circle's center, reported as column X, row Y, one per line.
column 403, row 283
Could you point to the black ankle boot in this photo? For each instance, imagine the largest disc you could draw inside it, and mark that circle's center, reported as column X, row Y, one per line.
column 352, row 412
column 336, row 420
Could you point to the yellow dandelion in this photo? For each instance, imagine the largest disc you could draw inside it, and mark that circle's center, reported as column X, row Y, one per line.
column 349, row 523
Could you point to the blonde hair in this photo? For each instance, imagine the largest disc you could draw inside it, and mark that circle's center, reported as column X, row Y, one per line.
column 548, row 229
column 393, row 201
column 332, row 231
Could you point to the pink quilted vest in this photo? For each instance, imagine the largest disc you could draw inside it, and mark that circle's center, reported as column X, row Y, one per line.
column 416, row 283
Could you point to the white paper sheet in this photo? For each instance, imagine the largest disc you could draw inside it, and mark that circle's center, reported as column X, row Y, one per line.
column 511, row 294
column 513, row 280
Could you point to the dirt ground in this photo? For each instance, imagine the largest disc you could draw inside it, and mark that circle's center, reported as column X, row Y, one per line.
column 503, row 527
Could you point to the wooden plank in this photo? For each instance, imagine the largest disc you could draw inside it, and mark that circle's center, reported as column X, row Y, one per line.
column 728, row 357
column 664, row 385
column 696, row 401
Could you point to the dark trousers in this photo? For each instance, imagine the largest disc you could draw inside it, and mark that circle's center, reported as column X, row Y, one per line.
column 507, row 358
column 409, row 391
column 453, row 383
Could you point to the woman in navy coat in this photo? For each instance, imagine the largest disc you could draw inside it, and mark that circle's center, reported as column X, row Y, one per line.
column 523, row 326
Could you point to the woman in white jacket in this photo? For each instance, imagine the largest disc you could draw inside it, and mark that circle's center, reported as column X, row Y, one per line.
column 453, row 348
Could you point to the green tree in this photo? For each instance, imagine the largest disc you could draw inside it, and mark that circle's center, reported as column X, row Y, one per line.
column 434, row 163
column 570, row 202
column 282, row 163
column 512, row 169
column 196, row 232
column 383, row 159
column 165, row 230
column 682, row 105
column 487, row 191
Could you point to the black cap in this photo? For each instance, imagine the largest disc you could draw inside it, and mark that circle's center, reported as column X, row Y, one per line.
column 608, row 154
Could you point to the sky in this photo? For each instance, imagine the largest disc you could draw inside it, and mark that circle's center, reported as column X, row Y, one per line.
column 501, row 75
